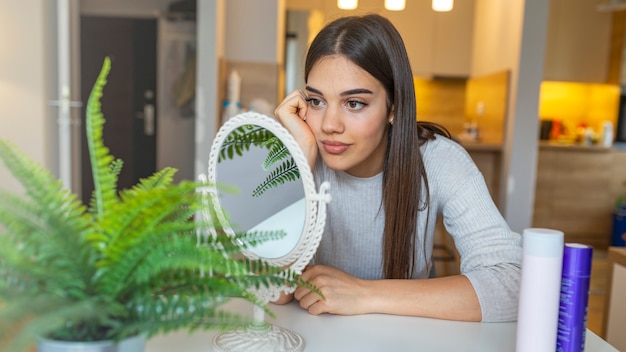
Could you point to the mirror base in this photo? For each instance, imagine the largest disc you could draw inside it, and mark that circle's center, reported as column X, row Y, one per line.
column 265, row 338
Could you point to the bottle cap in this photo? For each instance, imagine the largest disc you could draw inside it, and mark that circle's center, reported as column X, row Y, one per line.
column 577, row 260
column 543, row 242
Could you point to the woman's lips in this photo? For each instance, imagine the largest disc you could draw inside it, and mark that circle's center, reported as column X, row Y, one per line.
column 333, row 147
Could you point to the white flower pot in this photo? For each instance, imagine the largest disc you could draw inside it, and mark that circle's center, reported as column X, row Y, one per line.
column 131, row 344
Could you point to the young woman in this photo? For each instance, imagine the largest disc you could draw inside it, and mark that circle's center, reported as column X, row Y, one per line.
column 391, row 178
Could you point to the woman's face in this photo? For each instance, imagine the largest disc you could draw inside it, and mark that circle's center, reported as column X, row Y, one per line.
column 348, row 115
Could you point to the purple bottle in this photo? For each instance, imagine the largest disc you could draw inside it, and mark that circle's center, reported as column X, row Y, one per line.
column 574, row 297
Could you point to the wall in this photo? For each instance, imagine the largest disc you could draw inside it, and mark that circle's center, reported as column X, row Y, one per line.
column 486, row 104
column 497, row 34
column 210, row 51
column 177, row 44
column 441, row 101
column 255, row 31
column 25, row 73
column 254, row 41
column 511, row 35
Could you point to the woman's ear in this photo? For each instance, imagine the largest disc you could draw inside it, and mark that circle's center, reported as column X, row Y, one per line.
column 392, row 115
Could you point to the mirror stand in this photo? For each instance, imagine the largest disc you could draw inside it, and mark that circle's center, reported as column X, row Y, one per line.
column 259, row 336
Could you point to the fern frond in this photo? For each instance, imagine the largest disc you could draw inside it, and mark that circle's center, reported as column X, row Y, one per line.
column 277, row 152
column 287, row 171
column 47, row 224
column 103, row 166
column 40, row 185
column 248, row 240
column 22, row 274
column 240, row 140
column 159, row 179
column 116, row 167
column 139, row 218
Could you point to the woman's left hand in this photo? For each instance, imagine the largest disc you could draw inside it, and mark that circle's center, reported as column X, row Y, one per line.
column 343, row 294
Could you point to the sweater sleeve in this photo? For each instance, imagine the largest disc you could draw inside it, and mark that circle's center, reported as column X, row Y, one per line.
column 490, row 251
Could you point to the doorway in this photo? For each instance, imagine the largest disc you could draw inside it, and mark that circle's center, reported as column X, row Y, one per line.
column 129, row 98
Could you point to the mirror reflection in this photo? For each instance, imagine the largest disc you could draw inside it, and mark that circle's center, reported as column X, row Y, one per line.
column 270, row 194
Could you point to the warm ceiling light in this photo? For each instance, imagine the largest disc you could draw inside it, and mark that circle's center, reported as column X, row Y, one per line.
column 394, row 5
column 347, row 4
column 443, row 5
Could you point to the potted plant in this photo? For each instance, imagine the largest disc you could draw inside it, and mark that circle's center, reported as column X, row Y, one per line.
column 131, row 263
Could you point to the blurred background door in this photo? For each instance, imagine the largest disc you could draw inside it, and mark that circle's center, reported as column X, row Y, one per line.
column 129, row 99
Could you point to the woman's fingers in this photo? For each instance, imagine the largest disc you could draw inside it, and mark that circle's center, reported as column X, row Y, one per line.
column 291, row 113
column 294, row 105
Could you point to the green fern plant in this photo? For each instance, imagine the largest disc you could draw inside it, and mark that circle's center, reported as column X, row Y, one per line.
column 279, row 161
column 131, row 262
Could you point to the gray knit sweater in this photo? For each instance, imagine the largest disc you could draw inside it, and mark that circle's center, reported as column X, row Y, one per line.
column 490, row 252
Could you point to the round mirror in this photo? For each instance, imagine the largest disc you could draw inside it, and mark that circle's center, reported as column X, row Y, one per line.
column 257, row 156
column 270, row 193
column 275, row 189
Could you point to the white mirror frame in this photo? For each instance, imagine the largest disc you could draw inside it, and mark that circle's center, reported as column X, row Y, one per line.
column 266, row 336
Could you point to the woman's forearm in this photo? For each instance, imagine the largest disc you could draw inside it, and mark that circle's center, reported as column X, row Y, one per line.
column 451, row 297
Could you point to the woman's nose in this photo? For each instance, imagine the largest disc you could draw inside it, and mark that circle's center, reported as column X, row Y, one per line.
column 332, row 121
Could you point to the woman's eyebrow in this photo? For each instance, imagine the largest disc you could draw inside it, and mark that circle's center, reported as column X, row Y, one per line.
column 313, row 90
column 356, row 91
column 343, row 94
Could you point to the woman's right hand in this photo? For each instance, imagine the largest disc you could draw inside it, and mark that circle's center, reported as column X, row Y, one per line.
column 291, row 113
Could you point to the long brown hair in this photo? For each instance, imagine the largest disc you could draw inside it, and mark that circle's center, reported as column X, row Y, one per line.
column 374, row 44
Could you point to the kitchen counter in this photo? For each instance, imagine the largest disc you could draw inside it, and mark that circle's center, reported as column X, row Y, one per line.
column 570, row 146
column 575, row 191
column 481, row 144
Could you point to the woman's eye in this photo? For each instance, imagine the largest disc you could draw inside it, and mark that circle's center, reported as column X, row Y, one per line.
column 314, row 102
column 355, row 104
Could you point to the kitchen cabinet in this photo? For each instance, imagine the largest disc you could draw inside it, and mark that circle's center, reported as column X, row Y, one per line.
column 578, row 42
column 618, row 173
column 253, row 45
column 453, row 40
column 439, row 44
column 575, row 191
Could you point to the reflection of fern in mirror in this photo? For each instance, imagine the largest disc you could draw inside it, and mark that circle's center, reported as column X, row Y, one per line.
column 240, row 141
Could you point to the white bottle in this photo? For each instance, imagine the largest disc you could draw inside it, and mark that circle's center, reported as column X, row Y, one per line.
column 607, row 134
column 540, row 289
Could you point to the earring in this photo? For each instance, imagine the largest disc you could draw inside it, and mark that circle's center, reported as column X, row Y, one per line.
column 391, row 121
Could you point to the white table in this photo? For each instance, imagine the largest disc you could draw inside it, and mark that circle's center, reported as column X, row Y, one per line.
column 372, row 332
